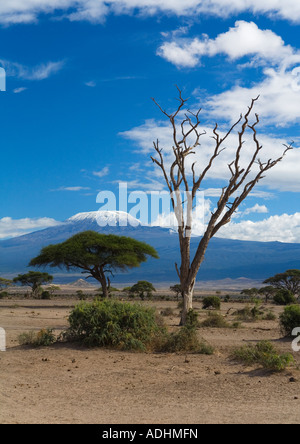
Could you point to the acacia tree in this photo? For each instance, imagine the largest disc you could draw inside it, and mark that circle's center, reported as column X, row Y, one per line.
column 186, row 139
column 289, row 280
column 33, row 279
column 98, row 255
column 176, row 289
column 141, row 288
column 4, row 283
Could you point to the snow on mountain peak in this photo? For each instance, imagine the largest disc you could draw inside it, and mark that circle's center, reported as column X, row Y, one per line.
column 104, row 218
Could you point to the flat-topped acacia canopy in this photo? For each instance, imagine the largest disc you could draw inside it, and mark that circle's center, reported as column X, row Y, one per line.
column 96, row 254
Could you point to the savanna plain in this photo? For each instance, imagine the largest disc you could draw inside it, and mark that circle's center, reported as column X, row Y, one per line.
column 67, row 383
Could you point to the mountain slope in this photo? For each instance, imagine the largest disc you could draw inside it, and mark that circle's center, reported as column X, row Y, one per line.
column 224, row 258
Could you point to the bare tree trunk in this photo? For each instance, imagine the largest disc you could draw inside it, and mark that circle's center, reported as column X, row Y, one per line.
column 187, row 302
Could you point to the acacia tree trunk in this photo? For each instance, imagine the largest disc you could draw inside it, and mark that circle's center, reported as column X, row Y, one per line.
column 36, row 290
column 98, row 273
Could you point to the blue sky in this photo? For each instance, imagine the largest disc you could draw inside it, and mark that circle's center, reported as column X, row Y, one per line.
column 77, row 115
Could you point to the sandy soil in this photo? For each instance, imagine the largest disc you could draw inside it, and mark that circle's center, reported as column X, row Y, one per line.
column 68, row 384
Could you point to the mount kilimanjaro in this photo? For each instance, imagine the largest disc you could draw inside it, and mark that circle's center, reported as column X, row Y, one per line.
column 225, row 258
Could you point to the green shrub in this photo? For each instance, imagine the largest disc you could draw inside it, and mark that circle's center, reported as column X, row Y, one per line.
column 249, row 313
column 264, row 354
column 284, row 297
column 215, row 320
column 44, row 337
column 81, row 296
column 114, row 324
column 3, row 294
column 186, row 339
column 290, row 319
column 212, row 302
column 45, row 294
column 192, row 319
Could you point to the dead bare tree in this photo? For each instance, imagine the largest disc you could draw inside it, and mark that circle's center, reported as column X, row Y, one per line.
column 239, row 185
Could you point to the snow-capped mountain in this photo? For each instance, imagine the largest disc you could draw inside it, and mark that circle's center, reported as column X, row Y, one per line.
column 106, row 218
column 224, row 259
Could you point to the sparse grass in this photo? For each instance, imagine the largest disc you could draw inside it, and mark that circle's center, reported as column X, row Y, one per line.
column 249, row 314
column 269, row 316
column 263, row 353
column 215, row 320
column 44, row 337
column 186, row 340
column 167, row 312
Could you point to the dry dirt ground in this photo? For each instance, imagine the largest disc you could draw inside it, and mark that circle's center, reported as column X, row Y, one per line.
column 64, row 383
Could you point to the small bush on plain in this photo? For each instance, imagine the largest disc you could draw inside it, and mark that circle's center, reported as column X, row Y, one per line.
column 290, row 319
column 264, row 354
column 215, row 320
column 114, row 324
column 44, row 337
column 186, row 339
column 284, row 297
column 249, row 313
column 167, row 312
column 3, row 294
column 212, row 302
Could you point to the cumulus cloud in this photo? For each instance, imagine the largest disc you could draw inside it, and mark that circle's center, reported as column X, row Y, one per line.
column 260, row 209
column 278, row 103
column 281, row 228
column 245, row 39
column 16, row 227
column 279, row 90
column 28, row 11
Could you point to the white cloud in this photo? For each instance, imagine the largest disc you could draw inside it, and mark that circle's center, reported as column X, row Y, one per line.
column 148, row 184
column 281, row 228
column 38, row 72
column 90, row 84
column 245, row 39
column 102, row 173
column 76, row 188
column 16, row 227
column 278, row 103
column 19, row 90
column 279, row 90
column 28, row 11
column 261, row 209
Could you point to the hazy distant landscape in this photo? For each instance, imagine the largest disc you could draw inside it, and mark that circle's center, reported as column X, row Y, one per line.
column 234, row 263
